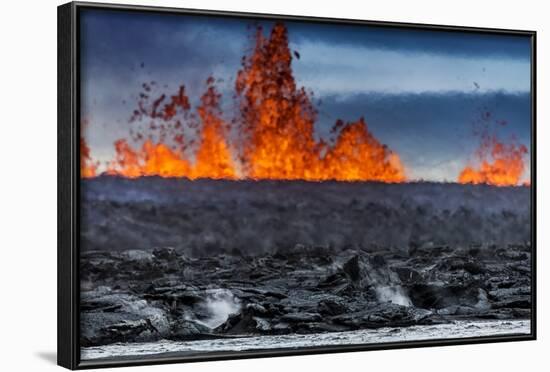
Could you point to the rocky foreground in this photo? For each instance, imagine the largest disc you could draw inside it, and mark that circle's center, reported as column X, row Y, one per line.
column 187, row 260
column 136, row 296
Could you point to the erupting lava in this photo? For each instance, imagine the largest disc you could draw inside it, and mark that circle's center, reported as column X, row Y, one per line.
column 213, row 159
column 500, row 164
column 272, row 136
column 88, row 168
column 277, row 124
column 151, row 160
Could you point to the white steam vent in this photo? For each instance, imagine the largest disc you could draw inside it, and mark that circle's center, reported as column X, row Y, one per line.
column 394, row 294
column 220, row 303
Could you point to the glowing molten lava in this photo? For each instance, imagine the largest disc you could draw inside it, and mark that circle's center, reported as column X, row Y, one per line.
column 277, row 119
column 272, row 136
column 505, row 169
column 87, row 167
column 500, row 164
column 213, row 159
column 277, row 126
column 357, row 155
column 151, row 160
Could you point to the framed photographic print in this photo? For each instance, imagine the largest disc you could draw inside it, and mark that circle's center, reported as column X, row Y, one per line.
column 235, row 185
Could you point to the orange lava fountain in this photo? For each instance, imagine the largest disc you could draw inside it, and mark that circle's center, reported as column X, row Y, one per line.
column 271, row 138
column 278, row 124
column 213, row 159
column 500, row 164
column 152, row 160
column 87, row 167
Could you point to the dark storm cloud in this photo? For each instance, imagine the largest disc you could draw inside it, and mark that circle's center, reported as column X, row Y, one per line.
column 167, row 37
column 416, row 41
column 426, row 110
column 164, row 40
column 124, row 44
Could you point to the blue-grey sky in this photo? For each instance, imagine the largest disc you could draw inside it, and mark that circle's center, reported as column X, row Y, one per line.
column 421, row 92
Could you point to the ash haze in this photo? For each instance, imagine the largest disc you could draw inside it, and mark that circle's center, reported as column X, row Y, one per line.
column 420, row 92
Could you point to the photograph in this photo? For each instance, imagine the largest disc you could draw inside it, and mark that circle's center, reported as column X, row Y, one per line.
column 275, row 186
column 252, row 183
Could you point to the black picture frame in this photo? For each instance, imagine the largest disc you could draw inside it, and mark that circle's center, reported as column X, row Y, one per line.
column 68, row 350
